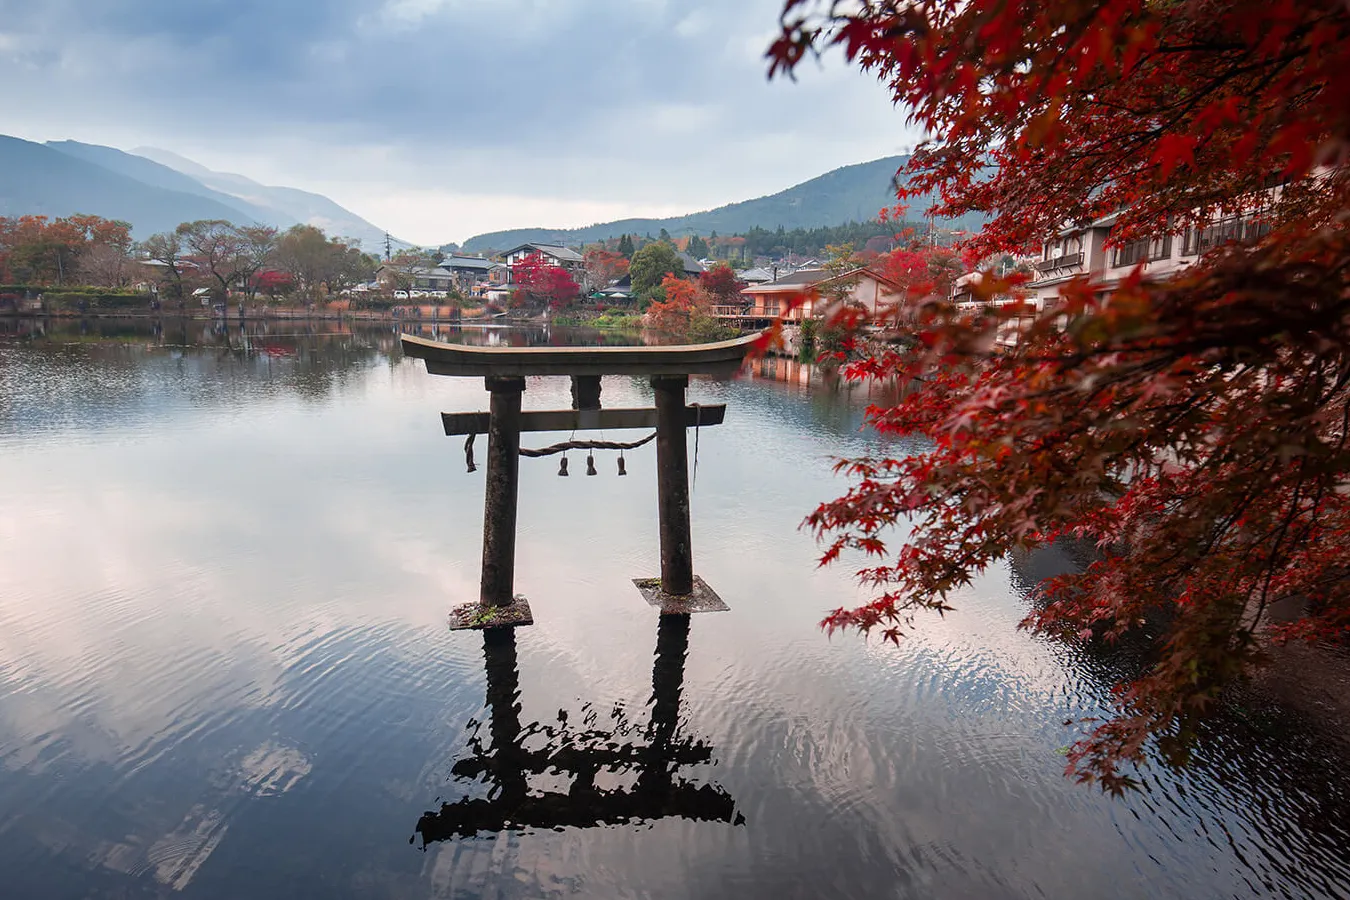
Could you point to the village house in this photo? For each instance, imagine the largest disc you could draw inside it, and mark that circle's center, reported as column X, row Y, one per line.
column 414, row 278
column 469, row 271
column 552, row 254
column 819, row 289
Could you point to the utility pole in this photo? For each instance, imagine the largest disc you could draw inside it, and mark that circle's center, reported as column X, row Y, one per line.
column 388, row 247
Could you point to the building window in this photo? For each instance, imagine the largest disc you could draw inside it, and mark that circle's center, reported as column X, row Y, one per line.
column 1131, row 253
column 1160, row 248
column 1200, row 240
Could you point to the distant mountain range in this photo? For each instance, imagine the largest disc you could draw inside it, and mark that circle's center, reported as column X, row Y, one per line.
column 849, row 194
column 155, row 190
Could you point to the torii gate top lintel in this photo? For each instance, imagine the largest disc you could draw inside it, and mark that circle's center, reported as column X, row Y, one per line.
column 720, row 358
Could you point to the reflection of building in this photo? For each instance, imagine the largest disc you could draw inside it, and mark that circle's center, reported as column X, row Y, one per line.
column 640, row 765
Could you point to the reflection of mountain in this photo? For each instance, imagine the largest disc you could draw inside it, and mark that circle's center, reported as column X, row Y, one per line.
column 619, row 772
column 117, row 370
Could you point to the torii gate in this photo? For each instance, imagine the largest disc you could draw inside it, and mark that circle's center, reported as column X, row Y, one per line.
column 503, row 370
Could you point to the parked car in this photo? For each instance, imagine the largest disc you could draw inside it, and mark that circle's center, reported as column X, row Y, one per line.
column 400, row 295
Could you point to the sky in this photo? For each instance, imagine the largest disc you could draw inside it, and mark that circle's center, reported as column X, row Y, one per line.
column 441, row 119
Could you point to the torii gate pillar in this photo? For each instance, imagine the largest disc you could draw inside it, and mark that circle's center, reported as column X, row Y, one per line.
column 497, row 588
column 672, row 479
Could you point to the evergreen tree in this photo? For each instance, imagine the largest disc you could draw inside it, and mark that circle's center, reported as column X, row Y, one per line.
column 665, row 236
column 626, row 246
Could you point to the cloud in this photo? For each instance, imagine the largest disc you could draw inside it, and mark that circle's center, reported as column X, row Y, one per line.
column 630, row 105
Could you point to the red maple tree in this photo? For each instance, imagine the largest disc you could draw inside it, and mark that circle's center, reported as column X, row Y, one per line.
column 1192, row 427
column 538, row 280
column 684, row 301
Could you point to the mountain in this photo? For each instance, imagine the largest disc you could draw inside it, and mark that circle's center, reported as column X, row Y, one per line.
column 158, row 175
column 279, row 202
column 39, row 180
column 848, row 194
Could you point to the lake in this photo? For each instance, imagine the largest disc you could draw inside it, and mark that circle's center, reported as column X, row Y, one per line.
column 226, row 561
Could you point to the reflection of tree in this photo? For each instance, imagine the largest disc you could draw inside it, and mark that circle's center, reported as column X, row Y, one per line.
column 646, row 759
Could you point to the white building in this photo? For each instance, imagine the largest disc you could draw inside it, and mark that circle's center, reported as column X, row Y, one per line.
column 1082, row 250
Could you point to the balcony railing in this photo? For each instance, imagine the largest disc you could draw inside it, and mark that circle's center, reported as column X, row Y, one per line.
column 1060, row 262
column 731, row 312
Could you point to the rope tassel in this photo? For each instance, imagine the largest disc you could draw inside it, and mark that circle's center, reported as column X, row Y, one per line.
column 585, row 445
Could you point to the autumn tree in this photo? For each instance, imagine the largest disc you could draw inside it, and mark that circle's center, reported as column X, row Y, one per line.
column 539, row 281
column 215, row 247
column 1194, row 427
column 603, row 267
column 686, row 312
column 722, row 285
column 257, row 243
column 165, row 252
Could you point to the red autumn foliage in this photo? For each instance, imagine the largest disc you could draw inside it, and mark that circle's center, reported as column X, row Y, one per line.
column 684, row 299
column 38, row 250
column 721, row 283
column 539, row 281
column 273, row 282
column 1193, row 427
column 603, row 267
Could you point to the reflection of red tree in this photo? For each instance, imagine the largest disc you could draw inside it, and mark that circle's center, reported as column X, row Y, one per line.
column 538, row 281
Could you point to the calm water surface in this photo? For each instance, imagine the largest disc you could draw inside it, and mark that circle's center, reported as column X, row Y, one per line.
column 226, row 560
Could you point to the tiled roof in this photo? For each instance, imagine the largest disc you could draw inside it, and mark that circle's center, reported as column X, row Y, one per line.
column 566, row 254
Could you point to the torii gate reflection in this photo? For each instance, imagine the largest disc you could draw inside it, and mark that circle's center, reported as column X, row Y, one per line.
column 651, row 765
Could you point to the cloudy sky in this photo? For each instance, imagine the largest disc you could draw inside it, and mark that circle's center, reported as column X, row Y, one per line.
column 440, row 119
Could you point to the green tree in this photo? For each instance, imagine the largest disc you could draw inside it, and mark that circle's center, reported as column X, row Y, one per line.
column 698, row 247
column 664, row 236
column 626, row 246
column 650, row 265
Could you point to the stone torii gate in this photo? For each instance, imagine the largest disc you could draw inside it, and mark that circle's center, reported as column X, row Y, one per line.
column 504, row 370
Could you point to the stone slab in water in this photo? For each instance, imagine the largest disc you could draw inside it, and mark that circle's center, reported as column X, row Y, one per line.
column 476, row 616
column 701, row 599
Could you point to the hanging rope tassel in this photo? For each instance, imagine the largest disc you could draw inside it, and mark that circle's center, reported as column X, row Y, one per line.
column 622, row 470
column 468, row 453
column 562, row 467
column 590, row 464
column 585, row 445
